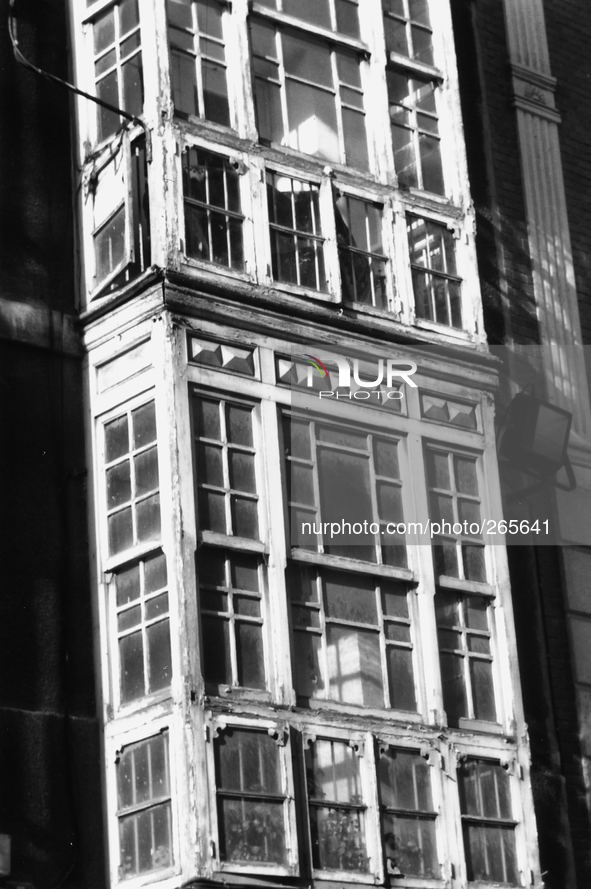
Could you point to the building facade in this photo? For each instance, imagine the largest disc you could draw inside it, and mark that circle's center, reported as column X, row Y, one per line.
column 298, row 229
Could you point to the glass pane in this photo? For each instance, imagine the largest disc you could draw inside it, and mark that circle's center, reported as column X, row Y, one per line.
column 103, row 31
column 116, row 439
column 411, row 846
column 474, row 564
column 120, row 531
column 252, row 831
column 395, row 603
column 160, row 664
column 432, row 169
column 131, row 667
column 208, row 419
column 422, row 45
column 146, row 472
column 308, row 674
column 466, row 478
column 219, row 238
column 155, row 573
column 345, row 492
column 236, row 244
column 338, row 839
column 446, row 558
column 245, row 573
column 144, row 425
column 145, row 841
column 212, row 566
column 118, row 484
column 148, row 518
column 109, row 245
column 157, row 606
column 217, row 663
column 105, row 62
column 209, row 18
column 250, row 655
column 389, row 502
column 132, row 617
column 184, row 83
column 179, row 13
column 483, row 691
column 248, row 761
column 349, row 597
column 347, row 18
column 314, row 12
column 490, row 853
column 476, row 613
column 396, row 36
column 401, row 679
column 312, row 120
column 302, row 484
column 128, row 585
column 355, row 137
column 129, row 16
column 247, row 606
column 215, row 93
column 245, row 518
column 133, row 86
column 242, row 474
column 405, row 781
column 332, row 771
column 446, row 609
column 301, row 584
column 239, row 425
column 469, row 512
column 454, row 689
column 212, row 511
column 197, row 233
column 355, row 666
column 438, row 470
column 211, row 466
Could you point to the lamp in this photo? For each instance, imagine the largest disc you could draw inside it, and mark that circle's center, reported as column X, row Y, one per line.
column 534, row 439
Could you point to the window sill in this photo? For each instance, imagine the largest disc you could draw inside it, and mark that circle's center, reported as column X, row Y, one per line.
column 466, row 586
column 305, row 292
column 214, row 538
column 340, row 562
column 198, row 265
column 393, row 717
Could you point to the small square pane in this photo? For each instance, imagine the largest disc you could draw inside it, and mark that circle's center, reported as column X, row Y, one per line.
column 116, row 439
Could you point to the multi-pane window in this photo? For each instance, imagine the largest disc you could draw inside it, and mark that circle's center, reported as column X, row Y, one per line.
column 213, row 209
column 198, row 58
column 465, row 656
column 487, row 819
column 132, row 487
column 144, row 807
column 435, row 281
column 143, row 630
column 117, row 64
column 407, row 814
column 408, row 29
column 226, row 476
column 361, row 251
column 231, row 615
column 351, row 639
column 297, row 244
column 412, row 94
column 336, row 806
column 251, row 798
column 455, row 506
column 335, row 474
column 308, row 90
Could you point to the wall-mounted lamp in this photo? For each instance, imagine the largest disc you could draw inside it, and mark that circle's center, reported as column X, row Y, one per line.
column 534, row 439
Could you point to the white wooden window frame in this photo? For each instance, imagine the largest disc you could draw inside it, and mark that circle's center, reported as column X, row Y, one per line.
column 510, row 759
column 115, row 743
column 280, row 732
column 258, row 547
column 249, row 183
column 362, row 745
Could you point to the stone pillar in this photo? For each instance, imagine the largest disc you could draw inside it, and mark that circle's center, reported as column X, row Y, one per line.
column 548, row 230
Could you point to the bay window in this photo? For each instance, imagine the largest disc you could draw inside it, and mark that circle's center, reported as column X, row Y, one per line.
column 198, row 59
column 118, row 64
column 251, row 798
column 144, row 807
column 408, row 817
column 487, row 821
column 336, row 807
column 309, row 90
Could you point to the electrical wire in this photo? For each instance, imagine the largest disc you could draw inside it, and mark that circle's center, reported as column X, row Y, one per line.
column 22, row 60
